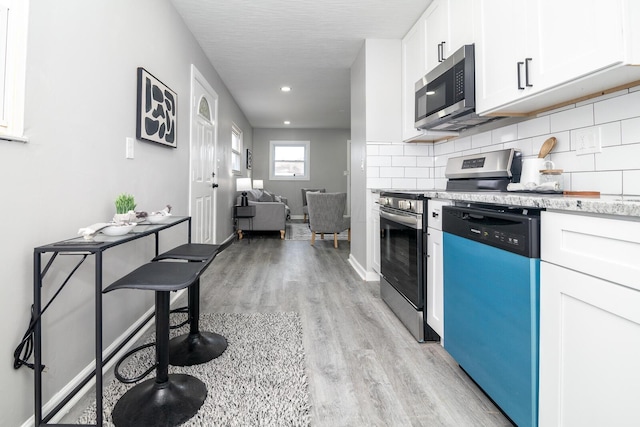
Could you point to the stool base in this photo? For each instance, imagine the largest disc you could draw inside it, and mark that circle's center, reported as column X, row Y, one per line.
column 194, row 349
column 169, row 404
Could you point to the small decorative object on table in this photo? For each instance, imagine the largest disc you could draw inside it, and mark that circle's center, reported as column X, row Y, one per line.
column 125, row 209
column 159, row 216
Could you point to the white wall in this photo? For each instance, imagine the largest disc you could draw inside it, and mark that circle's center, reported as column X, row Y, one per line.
column 328, row 148
column 616, row 170
column 80, row 107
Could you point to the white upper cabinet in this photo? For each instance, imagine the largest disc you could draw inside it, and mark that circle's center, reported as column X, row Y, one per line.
column 449, row 25
column 444, row 27
column 535, row 54
column 413, row 69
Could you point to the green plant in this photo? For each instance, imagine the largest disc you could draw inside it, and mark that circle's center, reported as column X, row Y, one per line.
column 125, row 203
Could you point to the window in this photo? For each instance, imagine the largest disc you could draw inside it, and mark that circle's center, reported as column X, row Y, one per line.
column 13, row 54
column 289, row 160
column 236, row 150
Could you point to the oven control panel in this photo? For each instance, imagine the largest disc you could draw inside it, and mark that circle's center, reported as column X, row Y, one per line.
column 407, row 205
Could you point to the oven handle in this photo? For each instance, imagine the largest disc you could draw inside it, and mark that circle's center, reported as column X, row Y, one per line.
column 412, row 221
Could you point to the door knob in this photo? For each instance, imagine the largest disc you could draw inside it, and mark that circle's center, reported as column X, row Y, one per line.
column 214, row 185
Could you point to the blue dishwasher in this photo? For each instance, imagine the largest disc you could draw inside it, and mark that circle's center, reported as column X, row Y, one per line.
column 491, row 302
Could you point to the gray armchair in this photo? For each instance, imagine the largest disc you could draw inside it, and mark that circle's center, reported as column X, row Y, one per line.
column 326, row 215
column 305, row 209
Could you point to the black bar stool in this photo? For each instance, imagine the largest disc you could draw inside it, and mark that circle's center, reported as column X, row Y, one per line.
column 168, row 399
column 195, row 347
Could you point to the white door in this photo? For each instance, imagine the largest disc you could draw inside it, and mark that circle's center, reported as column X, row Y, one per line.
column 203, row 170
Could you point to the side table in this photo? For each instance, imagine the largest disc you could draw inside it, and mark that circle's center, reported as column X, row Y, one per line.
column 243, row 212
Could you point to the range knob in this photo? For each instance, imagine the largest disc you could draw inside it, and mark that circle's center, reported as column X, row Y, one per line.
column 405, row 205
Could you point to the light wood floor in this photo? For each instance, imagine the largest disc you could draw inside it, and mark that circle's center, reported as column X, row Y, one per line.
column 364, row 368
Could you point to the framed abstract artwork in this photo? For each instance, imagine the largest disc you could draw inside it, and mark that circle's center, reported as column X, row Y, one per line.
column 156, row 110
column 249, row 159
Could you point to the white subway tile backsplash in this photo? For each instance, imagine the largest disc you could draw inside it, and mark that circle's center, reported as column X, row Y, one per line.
column 610, row 134
column 440, row 183
column 472, row 151
column 443, row 148
column 616, row 170
column 571, row 119
column 404, row 183
column 604, row 182
column 533, row 127
column 630, row 131
column 619, row 108
column 391, row 150
column 403, row 161
column 417, row 173
column 462, row 144
column 481, row 140
column 378, row 161
column 603, row 97
column 556, row 110
column 631, row 182
column 425, row 184
column 569, row 162
column 414, row 149
column 505, row 134
column 391, row 172
column 442, row 160
column 524, row 145
column 621, row 157
column 379, row 182
column 424, row 162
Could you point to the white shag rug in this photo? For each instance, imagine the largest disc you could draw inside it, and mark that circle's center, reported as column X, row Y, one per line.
column 259, row 380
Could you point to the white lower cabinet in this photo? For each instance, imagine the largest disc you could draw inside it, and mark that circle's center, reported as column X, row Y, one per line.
column 589, row 321
column 435, row 281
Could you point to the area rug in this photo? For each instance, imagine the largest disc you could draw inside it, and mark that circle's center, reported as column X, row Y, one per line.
column 259, row 380
column 301, row 231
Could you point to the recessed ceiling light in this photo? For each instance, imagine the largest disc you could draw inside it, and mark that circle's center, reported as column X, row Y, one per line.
column 287, row 122
column 285, row 88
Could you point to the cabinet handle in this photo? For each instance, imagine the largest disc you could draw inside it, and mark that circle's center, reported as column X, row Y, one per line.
column 442, row 51
column 439, row 52
column 526, row 72
column 520, row 64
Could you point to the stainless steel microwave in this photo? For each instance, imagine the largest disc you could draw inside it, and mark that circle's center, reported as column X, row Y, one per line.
column 445, row 97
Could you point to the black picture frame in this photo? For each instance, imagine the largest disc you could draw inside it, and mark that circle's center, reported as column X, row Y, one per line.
column 249, row 160
column 156, row 111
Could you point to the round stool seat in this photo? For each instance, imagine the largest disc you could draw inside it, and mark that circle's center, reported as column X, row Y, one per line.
column 159, row 276
column 152, row 404
column 190, row 252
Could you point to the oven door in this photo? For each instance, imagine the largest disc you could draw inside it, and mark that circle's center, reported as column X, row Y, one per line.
column 401, row 254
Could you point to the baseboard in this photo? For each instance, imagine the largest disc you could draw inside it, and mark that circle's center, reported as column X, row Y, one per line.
column 368, row 276
column 297, row 216
column 90, row 386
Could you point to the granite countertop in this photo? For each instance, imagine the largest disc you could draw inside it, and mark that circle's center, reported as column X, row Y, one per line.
column 604, row 205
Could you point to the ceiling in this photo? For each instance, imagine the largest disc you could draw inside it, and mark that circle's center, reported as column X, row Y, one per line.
column 258, row 46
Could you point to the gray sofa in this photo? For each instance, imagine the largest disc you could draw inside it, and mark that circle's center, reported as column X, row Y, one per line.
column 272, row 212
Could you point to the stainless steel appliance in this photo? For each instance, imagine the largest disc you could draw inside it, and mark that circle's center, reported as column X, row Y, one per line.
column 445, row 99
column 403, row 260
column 491, row 171
column 491, row 302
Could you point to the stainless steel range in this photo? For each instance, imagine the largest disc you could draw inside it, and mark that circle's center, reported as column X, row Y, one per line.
column 403, row 260
column 491, row 171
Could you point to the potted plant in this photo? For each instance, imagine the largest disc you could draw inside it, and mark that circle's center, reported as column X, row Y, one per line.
column 125, row 208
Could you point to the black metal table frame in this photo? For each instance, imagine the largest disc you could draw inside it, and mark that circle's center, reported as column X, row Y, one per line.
column 79, row 246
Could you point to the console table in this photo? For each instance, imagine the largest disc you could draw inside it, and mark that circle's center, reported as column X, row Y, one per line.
column 81, row 247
